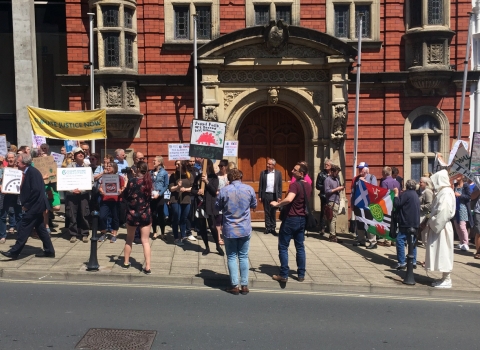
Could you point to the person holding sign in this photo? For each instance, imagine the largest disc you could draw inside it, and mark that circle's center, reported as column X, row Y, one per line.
column 34, row 203
column 205, row 188
column 7, row 201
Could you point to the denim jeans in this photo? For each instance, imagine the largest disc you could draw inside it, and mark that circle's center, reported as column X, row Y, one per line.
column 9, row 201
column 292, row 227
column 401, row 240
column 237, row 247
column 179, row 218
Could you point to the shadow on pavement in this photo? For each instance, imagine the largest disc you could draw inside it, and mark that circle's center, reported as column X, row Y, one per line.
column 214, row 279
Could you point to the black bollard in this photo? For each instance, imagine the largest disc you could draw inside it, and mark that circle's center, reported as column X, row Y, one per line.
column 409, row 278
column 93, row 261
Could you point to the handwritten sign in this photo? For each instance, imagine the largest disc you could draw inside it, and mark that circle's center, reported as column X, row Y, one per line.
column 12, row 180
column 475, row 154
column 48, row 167
column 58, row 158
column 178, row 151
column 38, row 140
column 69, row 179
column 3, row 145
column 231, row 149
column 461, row 160
column 207, row 139
column 111, row 184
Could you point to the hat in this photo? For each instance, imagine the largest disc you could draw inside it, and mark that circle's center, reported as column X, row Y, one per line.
column 362, row 165
column 78, row 150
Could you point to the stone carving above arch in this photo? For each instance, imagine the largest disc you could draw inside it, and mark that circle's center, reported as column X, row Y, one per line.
column 273, row 95
column 273, row 76
column 318, row 96
column 339, row 124
column 229, row 96
column 290, row 51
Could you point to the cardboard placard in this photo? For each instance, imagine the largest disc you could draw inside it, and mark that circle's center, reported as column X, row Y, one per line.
column 207, row 139
column 3, row 145
column 58, row 158
column 69, row 179
column 178, row 151
column 12, row 180
column 111, row 184
column 231, row 149
column 48, row 167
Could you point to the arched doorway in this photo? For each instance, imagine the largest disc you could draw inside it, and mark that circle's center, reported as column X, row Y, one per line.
column 269, row 132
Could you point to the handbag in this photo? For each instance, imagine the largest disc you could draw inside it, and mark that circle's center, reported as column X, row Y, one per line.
column 328, row 212
column 310, row 221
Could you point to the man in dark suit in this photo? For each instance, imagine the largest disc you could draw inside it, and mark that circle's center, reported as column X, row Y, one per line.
column 34, row 203
column 270, row 189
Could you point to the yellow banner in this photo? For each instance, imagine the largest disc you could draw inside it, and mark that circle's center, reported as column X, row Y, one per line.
column 63, row 125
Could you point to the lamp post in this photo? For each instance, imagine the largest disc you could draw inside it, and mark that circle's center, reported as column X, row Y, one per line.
column 195, row 76
column 92, row 81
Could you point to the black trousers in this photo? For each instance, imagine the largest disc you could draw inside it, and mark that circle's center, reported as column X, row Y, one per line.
column 25, row 228
column 202, row 223
column 270, row 212
column 77, row 209
column 158, row 215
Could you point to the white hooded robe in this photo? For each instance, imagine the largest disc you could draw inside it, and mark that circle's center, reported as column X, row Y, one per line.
column 439, row 247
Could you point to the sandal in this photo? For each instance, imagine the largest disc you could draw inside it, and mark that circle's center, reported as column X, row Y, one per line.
column 155, row 236
column 476, row 256
column 221, row 242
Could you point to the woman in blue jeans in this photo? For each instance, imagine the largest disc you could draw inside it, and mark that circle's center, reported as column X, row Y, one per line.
column 180, row 184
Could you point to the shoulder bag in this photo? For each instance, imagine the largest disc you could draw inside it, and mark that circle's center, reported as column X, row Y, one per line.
column 310, row 221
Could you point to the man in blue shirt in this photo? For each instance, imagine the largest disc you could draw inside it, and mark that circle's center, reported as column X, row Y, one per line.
column 235, row 202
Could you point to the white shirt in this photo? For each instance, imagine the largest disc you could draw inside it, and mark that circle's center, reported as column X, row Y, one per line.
column 270, row 182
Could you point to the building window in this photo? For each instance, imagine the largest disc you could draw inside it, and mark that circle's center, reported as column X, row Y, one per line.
column 422, row 13
column 342, row 19
column 435, row 11
column 128, row 18
column 129, row 39
column 204, row 22
column 415, row 13
column 182, row 15
column 111, row 42
column 110, row 16
column 364, row 11
column 426, row 134
column 284, row 13
column 262, row 15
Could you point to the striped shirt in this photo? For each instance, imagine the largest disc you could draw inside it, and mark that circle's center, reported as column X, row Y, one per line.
column 235, row 201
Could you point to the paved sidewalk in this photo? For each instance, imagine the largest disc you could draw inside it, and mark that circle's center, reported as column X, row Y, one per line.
column 330, row 266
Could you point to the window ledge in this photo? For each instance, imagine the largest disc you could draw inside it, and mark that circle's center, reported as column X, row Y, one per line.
column 185, row 45
column 366, row 44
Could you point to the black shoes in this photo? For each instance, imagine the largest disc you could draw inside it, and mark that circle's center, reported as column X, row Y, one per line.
column 372, row 246
column 206, row 251
column 8, row 254
column 359, row 244
column 44, row 254
column 220, row 250
column 400, row 267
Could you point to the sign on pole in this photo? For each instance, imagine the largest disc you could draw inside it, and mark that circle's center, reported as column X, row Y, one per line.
column 3, row 145
column 69, row 179
column 12, row 180
column 475, row 154
column 48, row 167
column 231, row 149
column 111, row 184
column 178, row 151
column 207, row 139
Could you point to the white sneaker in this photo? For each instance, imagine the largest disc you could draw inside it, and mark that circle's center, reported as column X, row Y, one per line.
column 179, row 242
column 465, row 248
column 191, row 238
column 436, row 283
column 444, row 284
column 460, row 246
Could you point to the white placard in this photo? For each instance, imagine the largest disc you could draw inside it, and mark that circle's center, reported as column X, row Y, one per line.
column 37, row 141
column 58, row 158
column 166, row 194
column 12, row 180
column 111, row 184
column 230, row 149
column 69, row 179
column 178, row 151
column 3, row 145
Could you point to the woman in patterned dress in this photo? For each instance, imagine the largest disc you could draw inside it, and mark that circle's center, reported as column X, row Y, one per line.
column 137, row 196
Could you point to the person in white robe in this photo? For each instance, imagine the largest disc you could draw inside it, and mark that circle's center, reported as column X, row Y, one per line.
column 439, row 247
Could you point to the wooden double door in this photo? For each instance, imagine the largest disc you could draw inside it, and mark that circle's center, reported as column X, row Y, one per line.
column 269, row 132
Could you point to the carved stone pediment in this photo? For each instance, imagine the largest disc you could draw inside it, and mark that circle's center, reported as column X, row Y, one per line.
column 259, row 51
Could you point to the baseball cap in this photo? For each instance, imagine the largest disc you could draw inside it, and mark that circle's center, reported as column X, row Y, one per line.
column 362, row 165
column 78, row 150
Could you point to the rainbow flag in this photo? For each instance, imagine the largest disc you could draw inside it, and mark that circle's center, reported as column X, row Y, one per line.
column 373, row 207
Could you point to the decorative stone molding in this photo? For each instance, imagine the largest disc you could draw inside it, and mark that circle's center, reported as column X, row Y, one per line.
column 435, row 53
column 210, row 113
column 229, row 96
column 339, row 124
column 131, row 97
column 273, row 96
column 431, row 82
column 276, row 36
column 290, row 51
column 318, row 97
column 113, row 96
column 273, row 76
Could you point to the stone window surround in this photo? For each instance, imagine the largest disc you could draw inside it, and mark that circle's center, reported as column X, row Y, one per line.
column 170, row 19
column 408, row 132
column 250, row 10
column 124, row 102
column 446, row 16
column 374, row 19
column 100, row 29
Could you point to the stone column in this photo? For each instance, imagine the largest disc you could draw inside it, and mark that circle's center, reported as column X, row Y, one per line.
column 25, row 62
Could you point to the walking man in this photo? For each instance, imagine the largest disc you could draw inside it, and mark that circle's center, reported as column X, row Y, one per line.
column 293, row 227
column 270, row 189
column 235, row 202
column 34, row 203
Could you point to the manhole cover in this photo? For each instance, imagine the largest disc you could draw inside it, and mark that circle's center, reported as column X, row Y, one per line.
column 116, row 339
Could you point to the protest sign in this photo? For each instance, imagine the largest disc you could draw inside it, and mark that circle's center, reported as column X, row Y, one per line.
column 48, row 167
column 231, row 149
column 3, row 145
column 475, row 154
column 455, row 148
column 111, row 184
column 207, row 139
column 65, row 125
column 12, row 180
column 178, row 151
column 70, row 145
column 58, row 158
column 69, row 179
column 460, row 163
column 38, row 140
